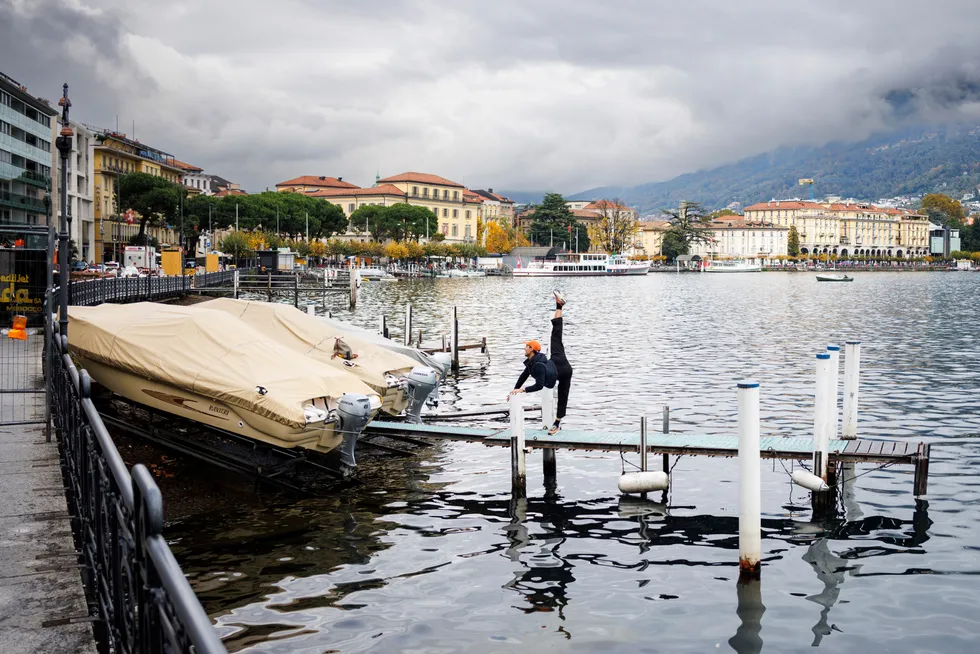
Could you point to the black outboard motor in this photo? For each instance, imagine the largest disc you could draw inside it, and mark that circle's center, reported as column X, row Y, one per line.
column 421, row 382
column 353, row 414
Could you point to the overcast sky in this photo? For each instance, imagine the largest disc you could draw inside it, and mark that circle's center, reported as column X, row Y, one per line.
column 534, row 94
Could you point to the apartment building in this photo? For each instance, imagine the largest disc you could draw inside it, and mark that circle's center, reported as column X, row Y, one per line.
column 845, row 229
column 116, row 155
column 28, row 128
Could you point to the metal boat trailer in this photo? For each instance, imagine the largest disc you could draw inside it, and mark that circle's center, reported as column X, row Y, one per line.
column 294, row 469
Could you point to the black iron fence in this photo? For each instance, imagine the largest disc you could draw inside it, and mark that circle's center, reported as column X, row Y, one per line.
column 141, row 289
column 133, row 583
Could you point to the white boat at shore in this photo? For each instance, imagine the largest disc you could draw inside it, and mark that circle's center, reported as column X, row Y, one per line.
column 731, row 266
column 584, row 265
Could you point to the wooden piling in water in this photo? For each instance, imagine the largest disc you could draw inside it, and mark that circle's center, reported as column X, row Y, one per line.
column 408, row 326
column 517, row 445
column 454, row 341
column 666, row 430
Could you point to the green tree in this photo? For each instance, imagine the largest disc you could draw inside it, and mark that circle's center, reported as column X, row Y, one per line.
column 154, row 198
column 673, row 245
column 793, row 242
column 409, row 221
column 235, row 244
column 720, row 213
column 553, row 223
column 944, row 209
column 371, row 220
column 689, row 224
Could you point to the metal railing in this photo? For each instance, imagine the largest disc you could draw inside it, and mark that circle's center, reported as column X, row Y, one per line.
column 140, row 289
column 133, row 583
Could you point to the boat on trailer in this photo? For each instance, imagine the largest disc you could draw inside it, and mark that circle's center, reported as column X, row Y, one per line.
column 211, row 368
column 400, row 380
column 590, row 264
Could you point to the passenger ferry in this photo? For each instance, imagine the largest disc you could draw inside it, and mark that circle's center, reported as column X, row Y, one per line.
column 580, row 265
column 731, row 266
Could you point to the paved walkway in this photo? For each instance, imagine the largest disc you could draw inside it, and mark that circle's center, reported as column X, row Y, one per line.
column 42, row 605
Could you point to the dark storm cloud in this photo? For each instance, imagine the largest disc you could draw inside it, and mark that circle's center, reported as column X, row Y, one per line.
column 517, row 94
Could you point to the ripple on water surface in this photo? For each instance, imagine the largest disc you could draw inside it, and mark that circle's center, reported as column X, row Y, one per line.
column 431, row 555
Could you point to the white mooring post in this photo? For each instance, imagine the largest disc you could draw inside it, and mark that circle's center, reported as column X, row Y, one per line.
column 236, row 283
column 852, row 370
column 547, row 407
column 383, row 325
column 454, row 341
column 834, row 352
column 517, row 455
column 821, row 414
column 408, row 325
column 750, row 490
column 311, row 309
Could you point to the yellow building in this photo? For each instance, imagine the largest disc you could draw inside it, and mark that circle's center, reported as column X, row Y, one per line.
column 847, row 229
column 457, row 209
column 650, row 237
column 312, row 184
column 115, row 156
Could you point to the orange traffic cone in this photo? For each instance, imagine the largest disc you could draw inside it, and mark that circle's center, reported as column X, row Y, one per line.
column 19, row 329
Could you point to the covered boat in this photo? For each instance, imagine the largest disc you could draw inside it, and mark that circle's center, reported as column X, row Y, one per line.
column 212, row 368
column 395, row 377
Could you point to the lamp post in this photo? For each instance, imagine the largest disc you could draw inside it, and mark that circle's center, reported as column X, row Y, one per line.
column 63, row 143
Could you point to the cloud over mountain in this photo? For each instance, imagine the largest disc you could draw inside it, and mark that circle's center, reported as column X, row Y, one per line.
column 545, row 94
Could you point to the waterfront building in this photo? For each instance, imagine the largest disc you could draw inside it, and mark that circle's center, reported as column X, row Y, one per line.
column 115, row 156
column 81, row 191
column 495, row 206
column 943, row 240
column 194, row 179
column 737, row 237
column 28, row 158
column 650, row 237
column 445, row 198
column 221, row 187
column 847, row 229
column 456, row 208
column 312, row 184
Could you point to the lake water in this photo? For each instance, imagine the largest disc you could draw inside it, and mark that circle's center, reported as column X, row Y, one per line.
column 429, row 555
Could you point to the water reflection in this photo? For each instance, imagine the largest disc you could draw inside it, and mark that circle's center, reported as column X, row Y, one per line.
column 750, row 609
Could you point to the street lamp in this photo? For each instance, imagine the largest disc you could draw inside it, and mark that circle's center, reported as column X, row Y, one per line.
column 63, row 143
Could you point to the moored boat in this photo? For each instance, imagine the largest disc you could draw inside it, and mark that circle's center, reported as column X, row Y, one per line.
column 394, row 376
column 731, row 266
column 834, row 277
column 588, row 264
column 211, row 368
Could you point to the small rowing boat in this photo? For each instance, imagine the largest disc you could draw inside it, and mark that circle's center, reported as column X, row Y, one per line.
column 839, row 277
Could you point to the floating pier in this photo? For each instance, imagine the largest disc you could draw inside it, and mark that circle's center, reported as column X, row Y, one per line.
column 770, row 447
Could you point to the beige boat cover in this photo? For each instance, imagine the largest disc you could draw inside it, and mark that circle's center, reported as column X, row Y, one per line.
column 315, row 338
column 210, row 353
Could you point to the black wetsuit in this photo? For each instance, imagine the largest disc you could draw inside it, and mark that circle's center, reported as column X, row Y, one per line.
column 535, row 367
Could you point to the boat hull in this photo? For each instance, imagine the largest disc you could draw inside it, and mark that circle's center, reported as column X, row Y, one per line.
column 834, row 278
column 169, row 399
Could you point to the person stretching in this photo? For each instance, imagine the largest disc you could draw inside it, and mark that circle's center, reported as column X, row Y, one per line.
column 538, row 366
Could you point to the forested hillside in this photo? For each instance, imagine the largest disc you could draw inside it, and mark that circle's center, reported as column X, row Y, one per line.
column 915, row 161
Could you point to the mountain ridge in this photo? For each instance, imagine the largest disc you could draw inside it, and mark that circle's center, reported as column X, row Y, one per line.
column 911, row 161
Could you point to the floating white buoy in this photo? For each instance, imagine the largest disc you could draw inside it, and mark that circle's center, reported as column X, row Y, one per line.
column 809, row 481
column 643, row 482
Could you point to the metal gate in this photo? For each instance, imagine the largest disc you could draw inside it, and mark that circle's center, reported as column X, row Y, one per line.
column 23, row 283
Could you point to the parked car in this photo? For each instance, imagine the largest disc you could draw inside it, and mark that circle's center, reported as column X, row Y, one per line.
column 79, row 266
